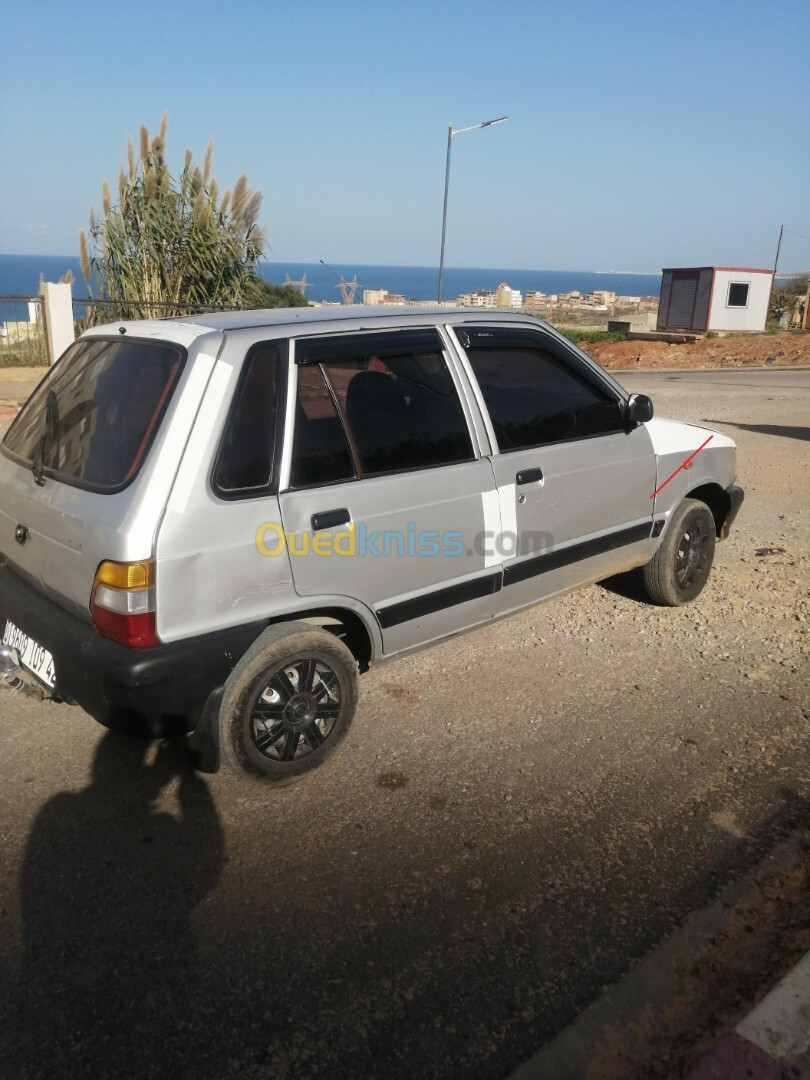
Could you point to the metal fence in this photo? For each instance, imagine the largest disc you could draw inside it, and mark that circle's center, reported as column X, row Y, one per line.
column 22, row 335
column 89, row 312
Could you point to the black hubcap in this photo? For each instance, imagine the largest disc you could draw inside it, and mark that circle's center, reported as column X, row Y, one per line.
column 295, row 710
column 693, row 554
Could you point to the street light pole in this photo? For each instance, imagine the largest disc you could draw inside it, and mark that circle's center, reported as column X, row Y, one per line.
column 450, row 133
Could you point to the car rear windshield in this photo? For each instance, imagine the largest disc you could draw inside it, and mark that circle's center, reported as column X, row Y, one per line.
column 92, row 419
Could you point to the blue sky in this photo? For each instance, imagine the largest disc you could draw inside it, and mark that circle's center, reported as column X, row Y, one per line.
column 640, row 135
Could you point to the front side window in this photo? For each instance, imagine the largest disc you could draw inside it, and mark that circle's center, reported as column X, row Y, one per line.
column 738, row 294
column 393, row 396
column 92, row 420
column 533, row 396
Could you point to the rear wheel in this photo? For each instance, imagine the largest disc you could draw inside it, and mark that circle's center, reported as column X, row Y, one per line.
column 680, row 568
column 288, row 702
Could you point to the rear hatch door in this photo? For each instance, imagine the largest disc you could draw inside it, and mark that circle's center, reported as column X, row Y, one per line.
column 77, row 464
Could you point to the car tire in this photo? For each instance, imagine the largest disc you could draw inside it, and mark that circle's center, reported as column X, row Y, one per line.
column 680, row 568
column 288, row 702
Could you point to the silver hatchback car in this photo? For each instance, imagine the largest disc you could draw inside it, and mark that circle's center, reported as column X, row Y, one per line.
column 209, row 525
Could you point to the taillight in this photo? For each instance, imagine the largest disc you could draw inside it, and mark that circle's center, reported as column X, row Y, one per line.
column 123, row 603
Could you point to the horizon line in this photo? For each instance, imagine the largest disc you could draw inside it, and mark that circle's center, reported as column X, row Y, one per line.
column 412, row 266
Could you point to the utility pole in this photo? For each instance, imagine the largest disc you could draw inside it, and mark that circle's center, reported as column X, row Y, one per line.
column 775, row 264
column 778, row 249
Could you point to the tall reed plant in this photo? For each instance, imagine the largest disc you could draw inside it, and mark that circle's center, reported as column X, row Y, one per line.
column 172, row 242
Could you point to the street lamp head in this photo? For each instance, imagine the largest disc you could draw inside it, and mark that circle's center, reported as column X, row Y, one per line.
column 477, row 127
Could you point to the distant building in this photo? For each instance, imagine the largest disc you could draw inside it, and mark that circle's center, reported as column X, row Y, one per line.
column 374, row 296
column 506, row 297
column 382, row 296
column 571, row 299
column 714, row 298
column 599, row 298
column 535, row 298
column 478, row 299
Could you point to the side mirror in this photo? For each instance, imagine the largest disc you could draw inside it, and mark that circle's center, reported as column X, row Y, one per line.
column 639, row 409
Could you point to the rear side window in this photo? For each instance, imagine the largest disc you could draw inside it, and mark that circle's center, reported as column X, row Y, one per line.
column 245, row 461
column 320, row 452
column 92, row 420
column 387, row 399
column 534, row 397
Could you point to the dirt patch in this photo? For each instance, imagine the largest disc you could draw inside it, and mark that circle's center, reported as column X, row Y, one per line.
column 760, row 350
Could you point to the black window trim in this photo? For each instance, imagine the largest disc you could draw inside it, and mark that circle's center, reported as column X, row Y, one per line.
column 83, row 485
column 271, row 488
column 321, row 348
column 428, row 337
column 563, row 351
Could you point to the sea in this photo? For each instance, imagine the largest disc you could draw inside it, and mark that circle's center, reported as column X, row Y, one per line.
column 20, row 276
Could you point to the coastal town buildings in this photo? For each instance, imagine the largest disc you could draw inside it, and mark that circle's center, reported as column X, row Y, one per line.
column 507, row 298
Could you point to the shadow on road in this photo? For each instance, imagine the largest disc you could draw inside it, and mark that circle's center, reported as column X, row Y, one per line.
column 370, row 950
column 630, row 585
column 107, row 888
column 784, row 430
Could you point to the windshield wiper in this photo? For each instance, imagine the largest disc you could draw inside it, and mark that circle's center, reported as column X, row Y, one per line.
column 48, row 432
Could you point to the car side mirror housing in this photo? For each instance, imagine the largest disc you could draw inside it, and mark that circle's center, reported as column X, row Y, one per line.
column 639, row 409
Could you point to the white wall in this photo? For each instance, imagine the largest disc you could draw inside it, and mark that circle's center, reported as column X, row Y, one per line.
column 57, row 312
column 754, row 316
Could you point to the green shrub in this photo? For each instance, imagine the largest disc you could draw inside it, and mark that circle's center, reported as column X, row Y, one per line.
column 27, row 358
column 578, row 336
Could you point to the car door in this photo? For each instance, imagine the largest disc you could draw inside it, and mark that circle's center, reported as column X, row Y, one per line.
column 382, row 484
column 574, row 483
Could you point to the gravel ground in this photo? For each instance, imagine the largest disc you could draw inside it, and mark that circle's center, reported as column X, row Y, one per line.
column 515, row 818
column 734, row 351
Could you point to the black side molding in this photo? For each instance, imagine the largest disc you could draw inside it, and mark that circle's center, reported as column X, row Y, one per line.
column 553, row 560
column 395, row 614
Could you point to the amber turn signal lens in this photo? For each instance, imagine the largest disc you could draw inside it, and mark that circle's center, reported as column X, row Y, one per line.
column 136, row 575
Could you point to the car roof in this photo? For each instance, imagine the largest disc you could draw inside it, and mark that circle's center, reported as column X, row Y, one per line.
column 240, row 320
column 225, row 321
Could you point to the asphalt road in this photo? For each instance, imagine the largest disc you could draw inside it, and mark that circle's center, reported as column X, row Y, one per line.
column 514, row 819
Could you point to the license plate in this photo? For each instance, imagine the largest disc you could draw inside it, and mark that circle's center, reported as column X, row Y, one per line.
column 32, row 655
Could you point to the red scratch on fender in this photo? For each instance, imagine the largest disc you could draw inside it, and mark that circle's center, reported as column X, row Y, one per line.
column 681, row 466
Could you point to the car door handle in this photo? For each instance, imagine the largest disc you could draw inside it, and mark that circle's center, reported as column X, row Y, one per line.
column 529, row 476
column 329, row 519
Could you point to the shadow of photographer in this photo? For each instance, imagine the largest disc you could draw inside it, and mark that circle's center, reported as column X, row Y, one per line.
column 109, row 882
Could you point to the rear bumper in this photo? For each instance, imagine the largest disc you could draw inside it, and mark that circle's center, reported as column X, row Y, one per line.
column 154, row 692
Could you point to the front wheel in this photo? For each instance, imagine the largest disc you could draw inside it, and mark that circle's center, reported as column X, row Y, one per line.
column 288, row 702
column 680, row 568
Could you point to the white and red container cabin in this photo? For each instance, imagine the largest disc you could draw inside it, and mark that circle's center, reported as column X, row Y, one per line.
column 718, row 298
